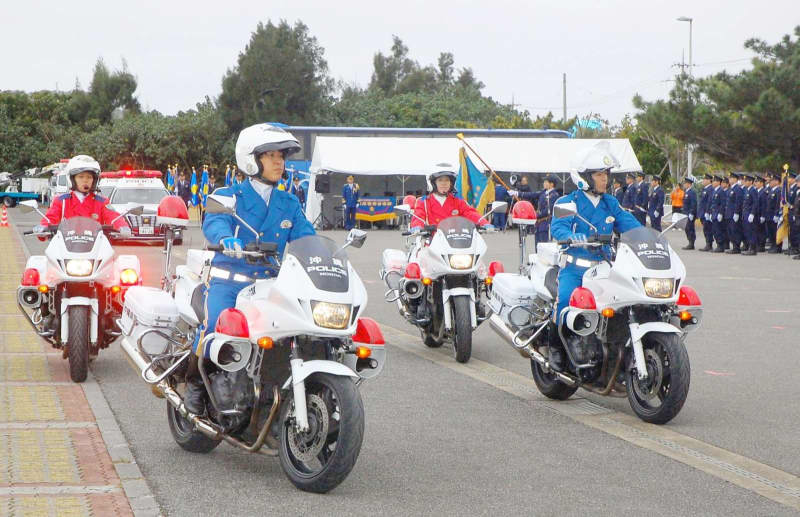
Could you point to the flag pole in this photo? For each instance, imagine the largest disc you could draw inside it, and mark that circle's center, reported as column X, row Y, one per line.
column 460, row 136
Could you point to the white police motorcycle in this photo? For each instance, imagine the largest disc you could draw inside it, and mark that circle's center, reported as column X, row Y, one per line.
column 438, row 283
column 73, row 294
column 628, row 322
column 283, row 366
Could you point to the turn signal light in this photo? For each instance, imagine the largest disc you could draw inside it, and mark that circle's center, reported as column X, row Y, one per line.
column 43, row 289
column 115, row 289
column 427, row 281
column 363, row 352
column 128, row 277
column 608, row 312
column 265, row 343
column 685, row 315
column 487, row 280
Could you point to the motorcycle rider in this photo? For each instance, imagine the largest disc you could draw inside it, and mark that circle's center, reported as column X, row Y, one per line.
column 261, row 151
column 82, row 200
column 441, row 202
column 590, row 173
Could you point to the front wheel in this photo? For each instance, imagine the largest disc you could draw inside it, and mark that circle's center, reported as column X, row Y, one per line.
column 321, row 458
column 659, row 397
column 78, row 342
column 462, row 322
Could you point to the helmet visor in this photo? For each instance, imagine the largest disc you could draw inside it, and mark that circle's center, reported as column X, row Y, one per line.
column 287, row 147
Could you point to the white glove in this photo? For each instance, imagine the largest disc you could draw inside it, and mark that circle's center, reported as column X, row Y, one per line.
column 513, row 193
column 125, row 231
column 762, row 219
column 708, row 217
column 39, row 229
column 655, row 214
column 691, row 217
column 750, row 218
column 735, row 218
column 719, row 218
column 775, row 219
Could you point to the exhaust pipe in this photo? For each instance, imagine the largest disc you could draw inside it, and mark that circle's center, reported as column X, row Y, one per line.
column 502, row 330
column 411, row 288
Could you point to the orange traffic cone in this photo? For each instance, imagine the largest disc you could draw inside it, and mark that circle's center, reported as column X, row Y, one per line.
column 4, row 218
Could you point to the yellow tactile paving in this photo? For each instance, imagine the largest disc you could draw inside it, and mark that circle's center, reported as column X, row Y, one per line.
column 39, row 456
column 30, row 506
column 22, row 342
column 29, row 404
column 8, row 307
column 13, row 323
column 24, row 368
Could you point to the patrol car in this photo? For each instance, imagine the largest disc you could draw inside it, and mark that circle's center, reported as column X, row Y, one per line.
column 142, row 188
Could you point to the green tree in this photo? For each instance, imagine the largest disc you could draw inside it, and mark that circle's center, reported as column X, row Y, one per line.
column 109, row 91
column 281, row 75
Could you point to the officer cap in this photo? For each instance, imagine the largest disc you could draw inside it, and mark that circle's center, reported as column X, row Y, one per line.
column 709, row 177
column 716, row 177
column 733, row 174
column 640, row 174
column 551, row 178
column 688, row 179
column 759, row 177
column 350, row 177
column 655, row 178
column 630, row 175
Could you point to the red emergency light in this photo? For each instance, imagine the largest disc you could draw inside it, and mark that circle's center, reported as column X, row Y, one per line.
column 130, row 174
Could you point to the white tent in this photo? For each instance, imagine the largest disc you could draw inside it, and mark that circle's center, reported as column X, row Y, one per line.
column 418, row 156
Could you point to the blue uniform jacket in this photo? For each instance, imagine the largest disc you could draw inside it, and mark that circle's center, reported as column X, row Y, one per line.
column 629, row 198
column 763, row 199
column 690, row 202
column 750, row 202
column 774, row 201
column 655, row 203
column 734, row 202
column 619, row 194
column 281, row 222
column 642, row 195
column 500, row 193
column 607, row 217
column 718, row 202
column 704, row 207
column 350, row 195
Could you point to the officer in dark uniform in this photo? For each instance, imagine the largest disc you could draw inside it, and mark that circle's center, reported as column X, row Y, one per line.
column 640, row 202
column 733, row 214
column 499, row 218
column 690, row 209
column 619, row 192
column 629, row 198
column 761, row 227
column 655, row 204
column 544, row 209
column 794, row 221
column 704, row 212
column 718, row 203
column 750, row 215
column 773, row 212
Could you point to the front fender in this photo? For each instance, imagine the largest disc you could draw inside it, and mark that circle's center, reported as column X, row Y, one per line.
column 66, row 303
column 303, row 370
column 638, row 331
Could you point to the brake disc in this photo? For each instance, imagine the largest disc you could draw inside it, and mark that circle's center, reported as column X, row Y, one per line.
column 307, row 446
column 655, row 376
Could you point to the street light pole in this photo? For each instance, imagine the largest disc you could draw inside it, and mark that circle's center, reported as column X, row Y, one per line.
column 688, row 145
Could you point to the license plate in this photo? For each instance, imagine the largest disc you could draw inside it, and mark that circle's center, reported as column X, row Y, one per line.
column 145, row 230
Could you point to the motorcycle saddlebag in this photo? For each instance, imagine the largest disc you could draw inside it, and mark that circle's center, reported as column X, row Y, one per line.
column 148, row 308
column 509, row 290
column 393, row 266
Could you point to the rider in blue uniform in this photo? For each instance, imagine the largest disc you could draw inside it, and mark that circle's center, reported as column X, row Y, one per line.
column 275, row 214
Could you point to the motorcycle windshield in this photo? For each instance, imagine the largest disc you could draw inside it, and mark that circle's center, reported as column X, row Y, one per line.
column 650, row 248
column 79, row 233
column 458, row 231
column 324, row 265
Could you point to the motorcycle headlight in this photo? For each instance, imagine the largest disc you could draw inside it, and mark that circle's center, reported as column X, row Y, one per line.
column 330, row 315
column 79, row 267
column 461, row 261
column 658, row 287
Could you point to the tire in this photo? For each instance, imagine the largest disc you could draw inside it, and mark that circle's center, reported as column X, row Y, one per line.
column 549, row 385
column 9, row 202
column 186, row 436
column 78, row 342
column 429, row 340
column 462, row 321
column 347, row 437
column 666, row 356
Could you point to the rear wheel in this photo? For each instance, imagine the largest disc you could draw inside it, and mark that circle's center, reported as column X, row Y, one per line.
column 9, row 202
column 659, row 397
column 185, row 435
column 463, row 328
column 78, row 342
column 321, row 458
column 549, row 385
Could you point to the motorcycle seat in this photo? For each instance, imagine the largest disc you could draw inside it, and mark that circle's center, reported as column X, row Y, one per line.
column 198, row 302
column 551, row 281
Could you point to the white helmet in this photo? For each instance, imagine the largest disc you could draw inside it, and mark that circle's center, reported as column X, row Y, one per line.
column 258, row 139
column 590, row 160
column 82, row 163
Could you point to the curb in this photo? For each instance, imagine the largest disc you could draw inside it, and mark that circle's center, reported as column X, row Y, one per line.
column 141, row 499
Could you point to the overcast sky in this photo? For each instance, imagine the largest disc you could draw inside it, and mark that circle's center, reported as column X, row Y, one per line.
column 609, row 49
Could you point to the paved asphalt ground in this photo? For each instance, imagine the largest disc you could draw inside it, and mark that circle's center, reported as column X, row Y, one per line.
column 443, row 438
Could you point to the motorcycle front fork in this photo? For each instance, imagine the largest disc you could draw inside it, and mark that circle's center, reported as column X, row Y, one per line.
column 299, row 390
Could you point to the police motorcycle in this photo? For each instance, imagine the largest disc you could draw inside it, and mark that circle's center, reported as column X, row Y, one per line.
column 439, row 280
column 281, row 369
column 73, row 294
column 628, row 322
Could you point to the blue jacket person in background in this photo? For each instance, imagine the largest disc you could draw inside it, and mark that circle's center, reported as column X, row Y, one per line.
column 499, row 218
column 640, row 201
column 629, row 198
column 350, row 195
column 733, row 214
column 275, row 214
column 704, row 212
column 750, row 215
column 590, row 175
column 655, row 204
column 690, row 209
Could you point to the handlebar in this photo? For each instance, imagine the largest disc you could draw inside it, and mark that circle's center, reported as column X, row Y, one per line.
column 426, row 230
column 263, row 249
column 594, row 240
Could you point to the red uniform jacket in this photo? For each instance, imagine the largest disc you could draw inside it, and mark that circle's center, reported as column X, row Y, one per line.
column 428, row 209
column 94, row 207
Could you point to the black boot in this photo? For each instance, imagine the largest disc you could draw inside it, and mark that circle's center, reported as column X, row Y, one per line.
column 794, row 251
column 733, row 251
column 689, row 246
column 774, row 250
column 195, row 396
column 796, row 257
column 749, row 251
column 719, row 249
column 706, row 248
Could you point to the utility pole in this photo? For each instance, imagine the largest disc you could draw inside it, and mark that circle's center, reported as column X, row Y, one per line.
column 564, row 117
column 688, row 145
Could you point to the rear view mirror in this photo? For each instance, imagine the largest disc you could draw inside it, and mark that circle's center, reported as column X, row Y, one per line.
column 28, row 206
column 134, row 209
column 216, row 204
column 356, row 237
column 680, row 220
column 499, row 206
column 565, row 209
column 402, row 209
